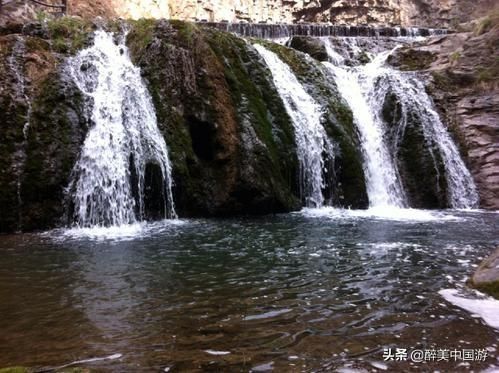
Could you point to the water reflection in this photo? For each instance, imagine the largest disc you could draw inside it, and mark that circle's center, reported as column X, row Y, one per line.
column 290, row 292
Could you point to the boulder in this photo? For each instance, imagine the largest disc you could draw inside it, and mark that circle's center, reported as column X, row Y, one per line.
column 486, row 277
column 312, row 46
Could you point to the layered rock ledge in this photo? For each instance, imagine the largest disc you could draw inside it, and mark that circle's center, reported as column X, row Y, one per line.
column 463, row 77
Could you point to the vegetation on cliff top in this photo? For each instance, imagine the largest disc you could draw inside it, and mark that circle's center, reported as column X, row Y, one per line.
column 69, row 34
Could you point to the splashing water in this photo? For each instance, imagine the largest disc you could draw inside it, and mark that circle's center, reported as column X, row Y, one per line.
column 356, row 86
column 311, row 138
column 108, row 180
column 412, row 96
column 364, row 88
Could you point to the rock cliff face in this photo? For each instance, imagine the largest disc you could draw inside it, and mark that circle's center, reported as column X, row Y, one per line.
column 231, row 152
column 463, row 72
column 39, row 139
column 380, row 12
column 230, row 139
column 443, row 13
column 428, row 13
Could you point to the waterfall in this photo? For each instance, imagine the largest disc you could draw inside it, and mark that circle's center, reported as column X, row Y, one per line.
column 311, row 139
column 412, row 96
column 356, row 85
column 16, row 65
column 108, row 184
column 281, row 30
column 16, row 59
column 364, row 88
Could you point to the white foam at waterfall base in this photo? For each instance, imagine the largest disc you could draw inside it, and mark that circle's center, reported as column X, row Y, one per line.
column 310, row 137
column 485, row 307
column 383, row 213
column 107, row 185
column 123, row 232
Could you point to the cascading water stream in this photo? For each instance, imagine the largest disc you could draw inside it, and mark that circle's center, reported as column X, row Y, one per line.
column 16, row 64
column 356, row 85
column 364, row 88
column 311, row 139
column 281, row 30
column 412, row 96
column 108, row 180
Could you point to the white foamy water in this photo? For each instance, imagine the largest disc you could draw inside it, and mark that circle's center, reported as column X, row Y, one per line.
column 486, row 308
column 311, row 138
column 217, row 353
column 123, row 232
column 90, row 360
column 356, row 85
column 382, row 213
column 364, row 88
column 108, row 180
column 412, row 96
column 266, row 315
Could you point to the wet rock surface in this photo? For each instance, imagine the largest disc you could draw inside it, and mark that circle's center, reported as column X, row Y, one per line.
column 419, row 162
column 42, row 128
column 463, row 76
column 312, row 46
column 486, row 277
column 230, row 141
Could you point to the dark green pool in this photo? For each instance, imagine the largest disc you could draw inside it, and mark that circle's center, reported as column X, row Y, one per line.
column 311, row 291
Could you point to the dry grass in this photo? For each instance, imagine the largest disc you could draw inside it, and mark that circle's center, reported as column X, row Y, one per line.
column 487, row 23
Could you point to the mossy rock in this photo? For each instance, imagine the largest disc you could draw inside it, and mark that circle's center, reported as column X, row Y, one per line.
column 347, row 179
column 13, row 116
column 57, row 130
column 68, row 34
column 36, row 121
column 260, row 107
column 141, row 34
column 409, row 59
column 312, row 46
column 418, row 159
column 209, row 107
column 15, row 370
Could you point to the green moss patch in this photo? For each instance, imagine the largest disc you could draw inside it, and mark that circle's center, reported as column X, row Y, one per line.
column 69, row 34
column 15, row 370
column 349, row 182
column 491, row 289
column 412, row 59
